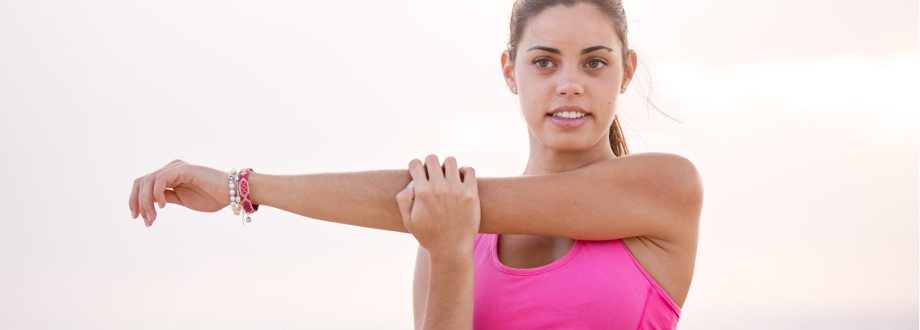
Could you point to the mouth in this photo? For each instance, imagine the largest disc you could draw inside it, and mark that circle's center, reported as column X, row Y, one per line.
column 568, row 116
column 568, row 112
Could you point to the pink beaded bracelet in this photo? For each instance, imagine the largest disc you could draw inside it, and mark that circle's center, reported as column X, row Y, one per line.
column 246, row 203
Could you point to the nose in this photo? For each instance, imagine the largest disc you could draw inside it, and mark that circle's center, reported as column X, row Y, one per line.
column 570, row 83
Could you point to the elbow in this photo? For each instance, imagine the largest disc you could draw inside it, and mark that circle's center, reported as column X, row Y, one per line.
column 688, row 186
column 677, row 180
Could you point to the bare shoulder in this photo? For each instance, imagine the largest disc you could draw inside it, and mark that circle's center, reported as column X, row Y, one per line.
column 669, row 258
column 662, row 165
column 673, row 174
column 673, row 179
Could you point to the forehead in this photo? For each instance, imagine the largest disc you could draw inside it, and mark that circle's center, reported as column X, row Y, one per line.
column 576, row 27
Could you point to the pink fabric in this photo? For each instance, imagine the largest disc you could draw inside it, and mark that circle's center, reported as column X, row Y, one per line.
column 597, row 285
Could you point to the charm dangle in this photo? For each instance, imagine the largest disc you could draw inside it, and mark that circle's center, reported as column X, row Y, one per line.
column 239, row 194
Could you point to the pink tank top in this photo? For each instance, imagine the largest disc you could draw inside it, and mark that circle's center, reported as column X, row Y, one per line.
column 597, row 285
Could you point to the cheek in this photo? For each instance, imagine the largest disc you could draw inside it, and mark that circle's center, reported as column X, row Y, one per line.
column 535, row 95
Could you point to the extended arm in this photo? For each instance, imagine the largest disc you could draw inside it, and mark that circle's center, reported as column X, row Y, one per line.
column 655, row 195
column 365, row 199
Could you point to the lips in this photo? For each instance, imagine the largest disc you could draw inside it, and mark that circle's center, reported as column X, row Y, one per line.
column 568, row 110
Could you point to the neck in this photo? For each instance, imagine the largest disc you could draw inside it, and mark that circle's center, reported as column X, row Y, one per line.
column 544, row 160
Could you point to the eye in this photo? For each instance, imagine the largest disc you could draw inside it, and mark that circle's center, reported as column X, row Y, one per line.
column 543, row 63
column 596, row 64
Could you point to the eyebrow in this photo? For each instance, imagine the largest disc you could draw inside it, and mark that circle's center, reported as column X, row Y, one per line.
column 556, row 51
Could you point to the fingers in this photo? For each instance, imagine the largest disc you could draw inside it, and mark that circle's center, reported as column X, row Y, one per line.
column 132, row 199
column 469, row 179
column 450, row 170
column 147, row 199
column 172, row 197
column 141, row 210
column 435, row 173
column 439, row 175
column 418, row 173
column 435, row 176
column 161, row 182
column 147, row 190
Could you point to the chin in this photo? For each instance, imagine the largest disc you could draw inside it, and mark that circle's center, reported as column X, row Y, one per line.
column 568, row 144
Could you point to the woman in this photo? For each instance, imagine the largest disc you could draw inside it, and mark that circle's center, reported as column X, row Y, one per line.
column 588, row 237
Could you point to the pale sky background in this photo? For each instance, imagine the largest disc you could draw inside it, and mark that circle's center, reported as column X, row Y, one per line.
column 801, row 116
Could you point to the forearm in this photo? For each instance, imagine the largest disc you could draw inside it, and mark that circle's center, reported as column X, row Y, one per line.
column 366, row 199
column 450, row 292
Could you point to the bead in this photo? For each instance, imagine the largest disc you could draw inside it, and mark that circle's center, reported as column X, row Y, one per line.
column 234, row 199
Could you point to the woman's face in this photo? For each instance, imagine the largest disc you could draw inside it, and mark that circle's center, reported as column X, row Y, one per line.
column 568, row 59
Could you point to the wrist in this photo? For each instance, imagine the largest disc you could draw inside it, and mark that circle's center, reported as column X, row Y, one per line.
column 257, row 188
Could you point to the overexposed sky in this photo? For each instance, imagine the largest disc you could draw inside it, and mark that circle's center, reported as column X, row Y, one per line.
column 802, row 117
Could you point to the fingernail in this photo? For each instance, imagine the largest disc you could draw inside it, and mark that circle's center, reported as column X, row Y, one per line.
column 161, row 206
column 148, row 215
column 410, row 184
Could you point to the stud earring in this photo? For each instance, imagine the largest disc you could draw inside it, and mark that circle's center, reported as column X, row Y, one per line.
column 514, row 89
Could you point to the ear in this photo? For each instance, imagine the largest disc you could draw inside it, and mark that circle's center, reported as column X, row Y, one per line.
column 630, row 70
column 508, row 71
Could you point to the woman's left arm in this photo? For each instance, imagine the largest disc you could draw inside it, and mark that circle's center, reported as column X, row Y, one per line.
column 441, row 209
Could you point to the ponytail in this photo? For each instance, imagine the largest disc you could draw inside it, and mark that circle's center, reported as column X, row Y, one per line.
column 617, row 141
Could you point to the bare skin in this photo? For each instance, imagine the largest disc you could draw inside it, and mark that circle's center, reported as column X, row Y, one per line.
column 550, row 70
column 652, row 201
column 441, row 209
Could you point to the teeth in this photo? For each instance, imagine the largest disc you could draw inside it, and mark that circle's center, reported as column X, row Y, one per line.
column 569, row 114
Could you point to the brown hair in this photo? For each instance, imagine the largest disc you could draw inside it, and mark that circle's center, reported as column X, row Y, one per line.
column 524, row 10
